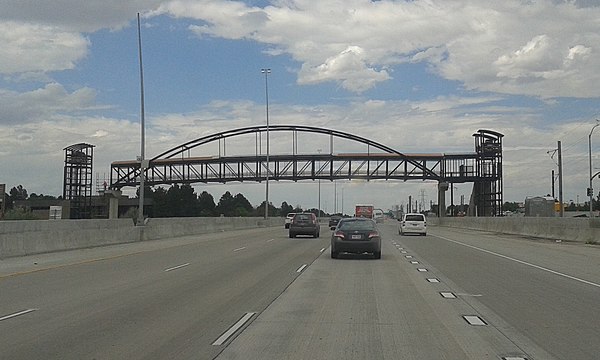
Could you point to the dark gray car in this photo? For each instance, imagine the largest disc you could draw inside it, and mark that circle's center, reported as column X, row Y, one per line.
column 305, row 224
column 356, row 235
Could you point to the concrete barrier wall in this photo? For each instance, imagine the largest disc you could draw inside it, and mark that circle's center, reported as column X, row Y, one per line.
column 27, row 237
column 568, row 229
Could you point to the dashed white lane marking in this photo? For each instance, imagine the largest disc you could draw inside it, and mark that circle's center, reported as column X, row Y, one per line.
column 239, row 249
column 17, row 314
column 422, row 270
column 270, row 240
column 447, row 295
column 522, row 262
column 414, row 262
column 227, row 334
column 433, row 280
column 177, row 267
column 323, row 249
column 301, row 268
column 474, row 320
column 408, row 256
column 513, row 358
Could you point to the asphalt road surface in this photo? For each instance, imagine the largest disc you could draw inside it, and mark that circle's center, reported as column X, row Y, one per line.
column 256, row 294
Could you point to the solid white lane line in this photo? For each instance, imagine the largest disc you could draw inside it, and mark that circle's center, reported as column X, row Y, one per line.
column 17, row 314
column 239, row 249
column 522, row 262
column 323, row 249
column 227, row 334
column 177, row 267
column 301, row 268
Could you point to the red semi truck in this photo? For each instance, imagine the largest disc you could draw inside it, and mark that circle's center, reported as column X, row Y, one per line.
column 364, row 211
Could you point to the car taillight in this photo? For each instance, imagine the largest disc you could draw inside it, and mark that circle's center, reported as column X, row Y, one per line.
column 339, row 234
column 373, row 234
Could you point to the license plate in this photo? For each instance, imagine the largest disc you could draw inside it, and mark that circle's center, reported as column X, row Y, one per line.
column 356, row 237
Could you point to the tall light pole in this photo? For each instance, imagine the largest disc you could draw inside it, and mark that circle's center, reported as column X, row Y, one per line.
column 590, row 190
column 319, row 197
column 140, row 219
column 267, row 72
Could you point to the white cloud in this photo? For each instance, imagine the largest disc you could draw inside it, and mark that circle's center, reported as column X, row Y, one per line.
column 43, row 103
column 33, row 47
column 541, row 48
column 75, row 15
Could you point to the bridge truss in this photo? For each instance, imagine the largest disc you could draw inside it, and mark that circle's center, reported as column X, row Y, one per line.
column 482, row 167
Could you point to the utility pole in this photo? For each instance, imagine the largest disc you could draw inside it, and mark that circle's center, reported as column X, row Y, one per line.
column 560, row 180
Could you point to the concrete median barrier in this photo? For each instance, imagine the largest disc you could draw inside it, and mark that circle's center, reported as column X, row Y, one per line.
column 27, row 237
column 567, row 229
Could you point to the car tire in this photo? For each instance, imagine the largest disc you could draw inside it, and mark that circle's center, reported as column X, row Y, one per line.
column 423, row 234
column 334, row 254
column 377, row 255
column 292, row 236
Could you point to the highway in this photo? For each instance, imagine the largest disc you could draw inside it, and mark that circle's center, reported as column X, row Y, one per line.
column 256, row 294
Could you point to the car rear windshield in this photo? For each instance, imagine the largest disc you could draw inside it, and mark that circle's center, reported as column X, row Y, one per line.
column 357, row 225
column 415, row 218
column 302, row 217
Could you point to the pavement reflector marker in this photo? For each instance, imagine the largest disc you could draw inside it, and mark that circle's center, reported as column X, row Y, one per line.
column 474, row 320
column 301, row 268
column 433, row 280
column 227, row 334
column 17, row 314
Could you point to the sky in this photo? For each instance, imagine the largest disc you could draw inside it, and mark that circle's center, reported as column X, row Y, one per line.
column 419, row 76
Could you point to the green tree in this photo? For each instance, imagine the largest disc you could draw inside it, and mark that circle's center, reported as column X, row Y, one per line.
column 179, row 201
column 206, row 204
column 242, row 206
column 510, row 206
column 286, row 208
column 260, row 210
column 226, row 205
column 160, row 206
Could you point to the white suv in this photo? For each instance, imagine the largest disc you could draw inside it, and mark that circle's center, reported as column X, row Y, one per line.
column 288, row 219
column 413, row 223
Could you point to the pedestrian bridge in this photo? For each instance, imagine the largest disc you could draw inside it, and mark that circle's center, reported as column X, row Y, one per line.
column 482, row 167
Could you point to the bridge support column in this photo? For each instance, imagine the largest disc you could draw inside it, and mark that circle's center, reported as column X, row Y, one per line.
column 113, row 203
column 442, row 188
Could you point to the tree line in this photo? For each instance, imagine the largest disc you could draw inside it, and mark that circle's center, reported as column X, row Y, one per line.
column 175, row 201
column 182, row 201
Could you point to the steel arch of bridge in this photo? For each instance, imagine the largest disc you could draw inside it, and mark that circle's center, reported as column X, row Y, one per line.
column 483, row 166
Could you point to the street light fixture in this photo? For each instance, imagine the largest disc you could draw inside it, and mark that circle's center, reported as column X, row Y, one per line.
column 590, row 190
column 267, row 72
